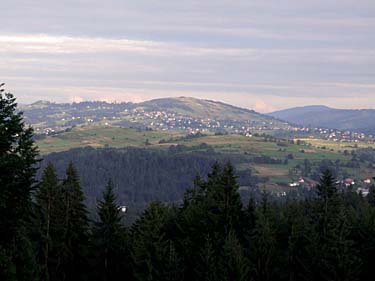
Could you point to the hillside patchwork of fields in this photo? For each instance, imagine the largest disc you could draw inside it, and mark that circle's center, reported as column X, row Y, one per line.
column 277, row 162
column 186, row 115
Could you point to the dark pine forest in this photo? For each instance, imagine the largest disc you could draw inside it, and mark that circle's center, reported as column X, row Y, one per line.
column 47, row 232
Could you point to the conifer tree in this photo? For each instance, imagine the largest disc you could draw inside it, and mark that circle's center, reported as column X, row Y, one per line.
column 297, row 238
column 331, row 249
column 109, row 238
column 47, row 200
column 74, row 226
column 212, row 209
column 150, row 253
column 263, row 243
column 18, row 156
column 222, row 199
column 232, row 210
column 193, row 222
column 327, row 187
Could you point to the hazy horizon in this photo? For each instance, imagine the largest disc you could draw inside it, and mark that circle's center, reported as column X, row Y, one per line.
column 259, row 55
column 214, row 100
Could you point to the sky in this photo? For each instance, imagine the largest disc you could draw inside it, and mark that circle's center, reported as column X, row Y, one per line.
column 263, row 55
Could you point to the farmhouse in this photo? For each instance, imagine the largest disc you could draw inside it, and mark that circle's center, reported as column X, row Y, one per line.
column 367, row 181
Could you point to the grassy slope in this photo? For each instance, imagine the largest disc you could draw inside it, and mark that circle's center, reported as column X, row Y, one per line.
column 256, row 146
column 199, row 108
column 337, row 146
column 98, row 136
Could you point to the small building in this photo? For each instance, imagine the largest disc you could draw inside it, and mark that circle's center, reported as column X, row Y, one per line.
column 349, row 181
column 367, row 181
column 123, row 209
column 363, row 191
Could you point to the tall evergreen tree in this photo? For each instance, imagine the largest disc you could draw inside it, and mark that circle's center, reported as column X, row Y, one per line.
column 327, row 187
column 263, row 244
column 74, row 226
column 109, row 238
column 211, row 209
column 331, row 250
column 297, row 233
column 18, row 156
column 47, row 199
column 232, row 205
column 150, row 252
column 222, row 200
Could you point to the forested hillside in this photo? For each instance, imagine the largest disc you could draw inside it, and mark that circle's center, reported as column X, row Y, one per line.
column 322, row 116
column 141, row 175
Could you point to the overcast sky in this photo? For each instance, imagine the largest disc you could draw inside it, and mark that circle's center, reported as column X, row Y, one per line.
column 260, row 54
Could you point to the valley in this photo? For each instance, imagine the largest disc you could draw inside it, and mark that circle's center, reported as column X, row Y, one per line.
column 276, row 164
column 184, row 137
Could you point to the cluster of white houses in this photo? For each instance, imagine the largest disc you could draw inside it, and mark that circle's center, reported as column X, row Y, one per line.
column 362, row 186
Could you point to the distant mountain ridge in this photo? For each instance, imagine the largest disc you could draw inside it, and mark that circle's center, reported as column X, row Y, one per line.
column 188, row 106
column 358, row 120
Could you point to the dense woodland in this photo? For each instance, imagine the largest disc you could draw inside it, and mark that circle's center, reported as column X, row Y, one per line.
column 46, row 233
column 140, row 175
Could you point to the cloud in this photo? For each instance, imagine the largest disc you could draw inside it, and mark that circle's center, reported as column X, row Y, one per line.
column 263, row 54
column 45, row 44
column 261, row 106
column 38, row 44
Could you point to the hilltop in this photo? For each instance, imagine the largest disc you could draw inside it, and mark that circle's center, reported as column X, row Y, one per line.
column 358, row 120
column 200, row 108
column 183, row 114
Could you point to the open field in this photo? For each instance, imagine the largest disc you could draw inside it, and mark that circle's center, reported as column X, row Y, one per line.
column 258, row 146
column 98, row 137
column 337, row 146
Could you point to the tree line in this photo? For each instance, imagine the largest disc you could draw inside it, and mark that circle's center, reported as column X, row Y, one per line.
column 46, row 233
